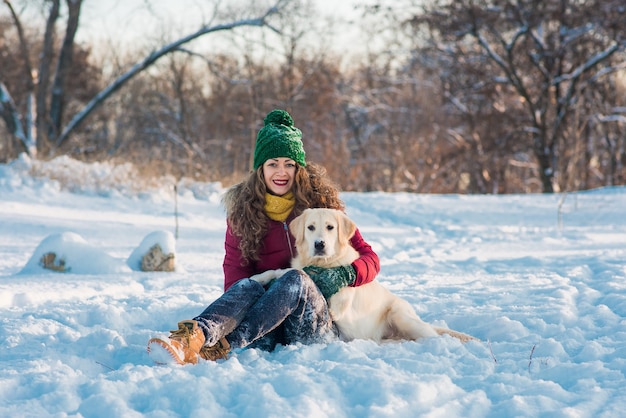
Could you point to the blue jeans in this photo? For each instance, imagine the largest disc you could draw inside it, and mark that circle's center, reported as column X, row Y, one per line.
column 291, row 310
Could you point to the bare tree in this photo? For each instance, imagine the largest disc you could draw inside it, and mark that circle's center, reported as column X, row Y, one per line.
column 7, row 106
column 547, row 52
column 50, row 99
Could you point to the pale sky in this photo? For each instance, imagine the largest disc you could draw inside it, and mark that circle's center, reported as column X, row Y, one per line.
column 119, row 28
column 133, row 20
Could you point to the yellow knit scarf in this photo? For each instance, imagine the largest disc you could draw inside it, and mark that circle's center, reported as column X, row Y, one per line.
column 279, row 207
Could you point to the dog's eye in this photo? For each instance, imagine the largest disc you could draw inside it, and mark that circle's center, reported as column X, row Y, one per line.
column 330, row 227
column 311, row 227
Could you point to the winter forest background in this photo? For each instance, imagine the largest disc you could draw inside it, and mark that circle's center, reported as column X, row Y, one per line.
column 119, row 118
column 432, row 96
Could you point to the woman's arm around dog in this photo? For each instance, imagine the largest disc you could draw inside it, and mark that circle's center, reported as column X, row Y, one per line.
column 367, row 266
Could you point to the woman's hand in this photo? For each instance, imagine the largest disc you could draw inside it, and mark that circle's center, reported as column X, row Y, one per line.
column 331, row 280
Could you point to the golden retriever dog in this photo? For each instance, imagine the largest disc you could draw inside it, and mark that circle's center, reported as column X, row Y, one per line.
column 369, row 311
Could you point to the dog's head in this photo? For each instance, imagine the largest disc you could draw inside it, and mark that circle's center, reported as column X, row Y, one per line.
column 322, row 233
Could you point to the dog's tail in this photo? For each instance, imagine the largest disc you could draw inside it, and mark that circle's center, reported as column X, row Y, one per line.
column 463, row 337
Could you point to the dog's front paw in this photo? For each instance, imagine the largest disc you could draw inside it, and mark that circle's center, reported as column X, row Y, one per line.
column 265, row 277
column 281, row 272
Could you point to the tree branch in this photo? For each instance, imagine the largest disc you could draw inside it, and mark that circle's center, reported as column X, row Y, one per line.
column 25, row 133
column 510, row 72
column 8, row 112
column 151, row 59
column 589, row 64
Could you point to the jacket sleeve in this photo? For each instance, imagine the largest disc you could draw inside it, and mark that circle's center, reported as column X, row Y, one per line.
column 367, row 265
column 234, row 270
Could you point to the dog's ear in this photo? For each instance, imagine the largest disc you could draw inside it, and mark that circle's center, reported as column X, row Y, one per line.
column 297, row 228
column 347, row 227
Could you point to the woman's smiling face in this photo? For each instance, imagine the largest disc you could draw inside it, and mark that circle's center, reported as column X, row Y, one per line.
column 279, row 174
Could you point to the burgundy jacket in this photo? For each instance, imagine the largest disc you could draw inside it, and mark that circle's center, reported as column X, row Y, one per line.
column 277, row 250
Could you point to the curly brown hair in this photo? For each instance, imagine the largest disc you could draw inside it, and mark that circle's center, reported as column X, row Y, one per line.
column 245, row 201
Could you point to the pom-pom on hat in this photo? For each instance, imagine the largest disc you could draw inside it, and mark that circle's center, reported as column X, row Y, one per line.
column 278, row 138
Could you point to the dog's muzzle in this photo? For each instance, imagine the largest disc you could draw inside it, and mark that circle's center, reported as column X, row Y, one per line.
column 320, row 248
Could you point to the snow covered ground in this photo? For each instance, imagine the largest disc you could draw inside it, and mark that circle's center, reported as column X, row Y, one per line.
column 540, row 279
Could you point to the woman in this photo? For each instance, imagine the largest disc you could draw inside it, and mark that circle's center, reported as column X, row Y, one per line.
column 292, row 308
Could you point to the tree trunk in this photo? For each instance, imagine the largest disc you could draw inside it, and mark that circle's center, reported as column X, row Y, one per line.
column 546, row 171
column 57, row 101
column 44, row 76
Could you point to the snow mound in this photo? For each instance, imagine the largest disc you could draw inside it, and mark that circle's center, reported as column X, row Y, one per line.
column 72, row 254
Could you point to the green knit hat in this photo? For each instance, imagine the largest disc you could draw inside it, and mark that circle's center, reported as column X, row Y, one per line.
column 278, row 138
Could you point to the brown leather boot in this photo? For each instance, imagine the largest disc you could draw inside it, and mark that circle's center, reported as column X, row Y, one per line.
column 182, row 346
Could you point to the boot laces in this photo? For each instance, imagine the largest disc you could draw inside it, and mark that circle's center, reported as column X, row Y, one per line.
column 216, row 351
column 181, row 333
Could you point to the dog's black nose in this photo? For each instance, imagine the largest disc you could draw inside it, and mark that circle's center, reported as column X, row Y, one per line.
column 320, row 245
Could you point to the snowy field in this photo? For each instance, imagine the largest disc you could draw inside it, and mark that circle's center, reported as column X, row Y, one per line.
column 539, row 279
